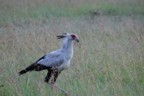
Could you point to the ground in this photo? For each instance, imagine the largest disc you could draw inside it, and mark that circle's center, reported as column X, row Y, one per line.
column 107, row 62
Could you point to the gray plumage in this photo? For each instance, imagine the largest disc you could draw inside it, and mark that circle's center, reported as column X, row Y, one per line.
column 56, row 60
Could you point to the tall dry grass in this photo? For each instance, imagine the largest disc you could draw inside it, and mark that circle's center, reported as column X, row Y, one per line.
column 107, row 62
column 18, row 10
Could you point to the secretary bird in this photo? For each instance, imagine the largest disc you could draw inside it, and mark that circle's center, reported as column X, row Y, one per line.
column 56, row 61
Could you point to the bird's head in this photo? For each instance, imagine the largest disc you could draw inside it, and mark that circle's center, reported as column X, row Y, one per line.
column 70, row 36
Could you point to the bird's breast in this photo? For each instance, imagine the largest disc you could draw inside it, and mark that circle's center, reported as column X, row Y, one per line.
column 64, row 66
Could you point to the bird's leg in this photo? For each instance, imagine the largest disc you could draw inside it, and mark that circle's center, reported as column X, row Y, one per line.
column 54, row 77
column 55, row 74
column 49, row 74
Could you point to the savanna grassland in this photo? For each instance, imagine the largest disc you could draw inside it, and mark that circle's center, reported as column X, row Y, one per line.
column 109, row 60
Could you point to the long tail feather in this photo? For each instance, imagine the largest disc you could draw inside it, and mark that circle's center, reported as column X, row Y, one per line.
column 29, row 68
column 22, row 72
column 34, row 66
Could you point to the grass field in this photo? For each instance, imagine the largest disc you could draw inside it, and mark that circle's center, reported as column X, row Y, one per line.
column 109, row 60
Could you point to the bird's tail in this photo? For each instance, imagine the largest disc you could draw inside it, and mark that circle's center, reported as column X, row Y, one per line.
column 29, row 68
column 22, row 72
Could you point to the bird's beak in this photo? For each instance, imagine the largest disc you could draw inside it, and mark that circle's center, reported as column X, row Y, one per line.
column 77, row 40
column 60, row 36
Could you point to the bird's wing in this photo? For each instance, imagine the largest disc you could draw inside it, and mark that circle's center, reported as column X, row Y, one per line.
column 52, row 59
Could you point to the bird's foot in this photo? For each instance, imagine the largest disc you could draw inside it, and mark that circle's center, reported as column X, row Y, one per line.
column 56, row 88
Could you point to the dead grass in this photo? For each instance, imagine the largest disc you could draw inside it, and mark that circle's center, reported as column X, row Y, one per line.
column 24, row 10
column 107, row 62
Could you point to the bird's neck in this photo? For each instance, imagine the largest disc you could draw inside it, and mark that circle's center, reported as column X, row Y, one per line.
column 67, row 46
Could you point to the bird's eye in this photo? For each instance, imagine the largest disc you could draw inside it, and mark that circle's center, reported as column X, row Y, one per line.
column 74, row 36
